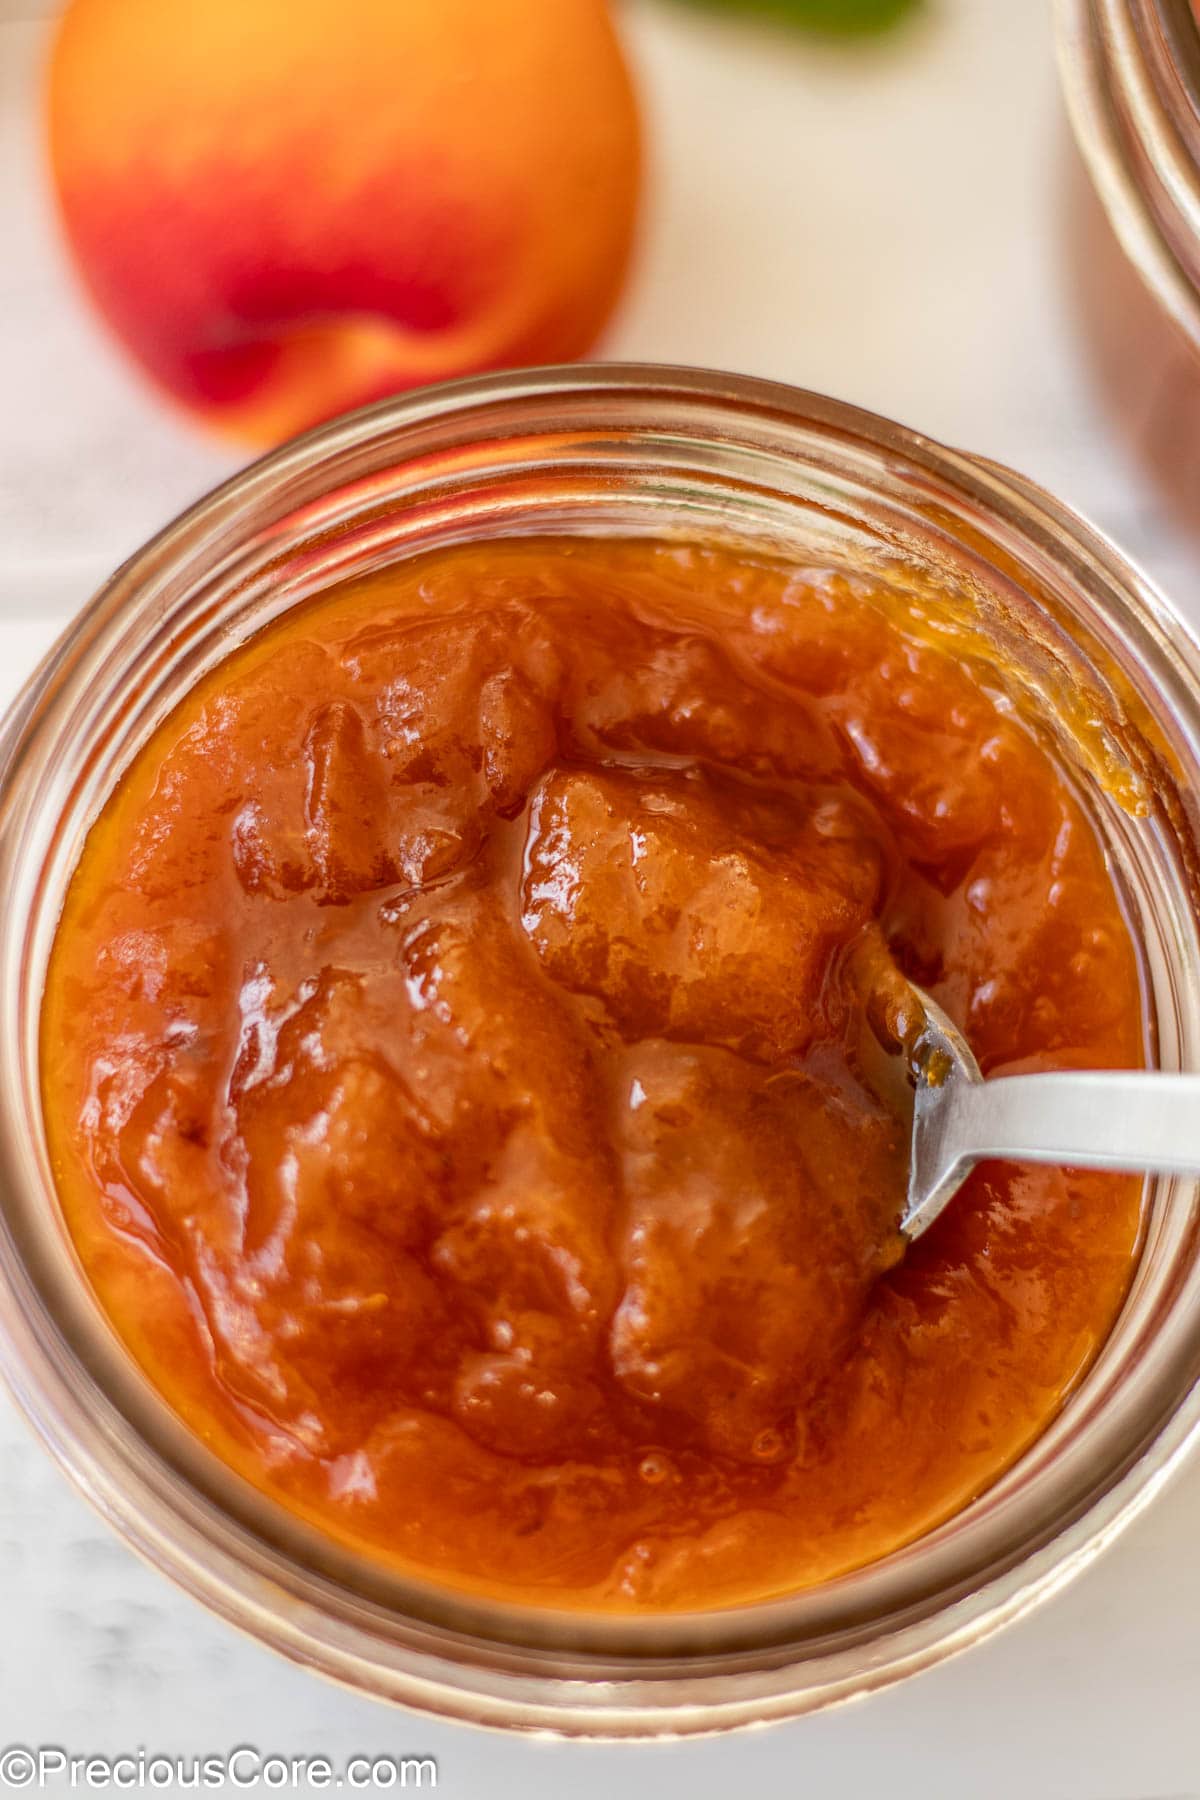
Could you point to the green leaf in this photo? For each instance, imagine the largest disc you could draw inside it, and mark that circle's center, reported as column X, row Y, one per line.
column 831, row 18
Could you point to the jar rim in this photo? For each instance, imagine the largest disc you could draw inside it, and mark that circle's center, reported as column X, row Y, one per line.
column 1130, row 75
column 440, row 1650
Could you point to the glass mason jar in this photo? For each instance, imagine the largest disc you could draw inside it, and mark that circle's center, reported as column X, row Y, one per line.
column 652, row 452
column 1131, row 76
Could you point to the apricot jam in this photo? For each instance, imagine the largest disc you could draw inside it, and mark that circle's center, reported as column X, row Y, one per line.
column 458, row 1077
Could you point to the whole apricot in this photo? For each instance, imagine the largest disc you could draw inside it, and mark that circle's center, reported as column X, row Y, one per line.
column 284, row 208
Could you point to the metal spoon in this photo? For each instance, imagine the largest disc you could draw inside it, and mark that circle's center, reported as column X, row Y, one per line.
column 1133, row 1120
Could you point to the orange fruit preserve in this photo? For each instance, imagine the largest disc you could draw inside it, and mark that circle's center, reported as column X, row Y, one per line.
column 460, row 1092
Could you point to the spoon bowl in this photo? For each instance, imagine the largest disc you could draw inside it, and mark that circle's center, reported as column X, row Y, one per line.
column 1132, row 1120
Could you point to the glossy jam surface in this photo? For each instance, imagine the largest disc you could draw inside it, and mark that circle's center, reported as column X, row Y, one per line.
column 457, row 1074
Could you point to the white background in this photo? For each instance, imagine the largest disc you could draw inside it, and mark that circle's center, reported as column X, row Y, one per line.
column 887, row 225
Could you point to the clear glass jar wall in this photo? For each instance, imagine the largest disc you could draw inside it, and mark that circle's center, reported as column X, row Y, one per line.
column 1131, row 78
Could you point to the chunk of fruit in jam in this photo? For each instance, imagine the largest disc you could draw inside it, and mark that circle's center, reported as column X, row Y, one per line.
column 759, row 1214
column 694, row 912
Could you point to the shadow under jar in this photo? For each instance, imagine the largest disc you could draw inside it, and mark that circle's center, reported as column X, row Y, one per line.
column 1113, row 681
column 1131, row 78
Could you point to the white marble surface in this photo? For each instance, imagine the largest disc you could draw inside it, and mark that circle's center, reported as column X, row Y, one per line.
column 886, row 226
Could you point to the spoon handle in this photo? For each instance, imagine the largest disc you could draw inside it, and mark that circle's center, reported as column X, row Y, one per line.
column 1133, row 1120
